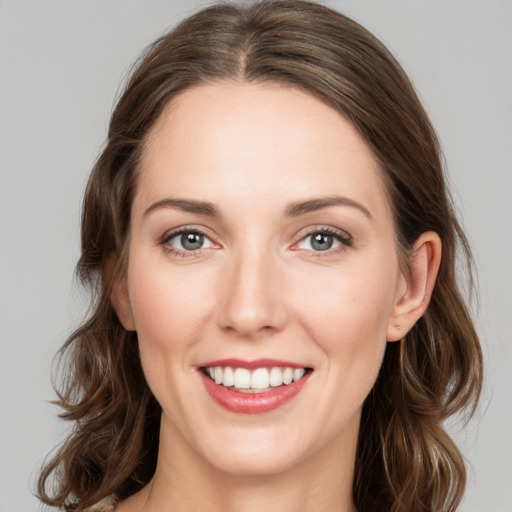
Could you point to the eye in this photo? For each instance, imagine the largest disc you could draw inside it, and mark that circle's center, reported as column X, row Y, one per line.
column 188, row 241
column 324, row 240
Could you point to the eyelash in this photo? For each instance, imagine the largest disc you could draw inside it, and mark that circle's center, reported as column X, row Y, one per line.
column 344, row 238
column 164, row 242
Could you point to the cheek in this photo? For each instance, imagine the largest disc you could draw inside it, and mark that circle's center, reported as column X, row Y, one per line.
column 169, row 316
column 169, row 312
column 167, row 306
column 347, row 315
column 360, row 299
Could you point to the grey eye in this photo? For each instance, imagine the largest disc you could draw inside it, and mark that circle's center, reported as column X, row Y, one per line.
column 189, row 241
column 192, row 241
column 322, row 241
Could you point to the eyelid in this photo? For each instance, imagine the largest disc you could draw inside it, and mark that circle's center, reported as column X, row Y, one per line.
column 344, row 237
column 177, row 236
column 164, row 240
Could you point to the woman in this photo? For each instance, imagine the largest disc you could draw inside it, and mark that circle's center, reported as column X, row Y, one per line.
column 271, row 245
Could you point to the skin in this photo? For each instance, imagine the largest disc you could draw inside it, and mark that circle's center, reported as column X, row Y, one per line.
column 258, row 289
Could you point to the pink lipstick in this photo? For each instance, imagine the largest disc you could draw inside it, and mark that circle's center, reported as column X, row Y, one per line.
column 253, row 387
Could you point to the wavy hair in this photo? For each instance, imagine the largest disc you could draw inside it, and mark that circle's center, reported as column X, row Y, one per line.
column 406, row 461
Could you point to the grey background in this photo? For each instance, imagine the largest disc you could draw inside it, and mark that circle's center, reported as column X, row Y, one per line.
column 60, row 66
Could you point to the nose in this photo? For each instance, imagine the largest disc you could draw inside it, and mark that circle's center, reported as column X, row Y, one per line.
column 254, row 295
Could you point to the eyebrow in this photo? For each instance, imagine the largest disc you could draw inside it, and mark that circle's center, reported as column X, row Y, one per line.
column 314, row 204
column 186, row 205
column 292, row 210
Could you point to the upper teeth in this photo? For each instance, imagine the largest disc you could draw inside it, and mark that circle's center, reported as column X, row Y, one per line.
column 257, row 379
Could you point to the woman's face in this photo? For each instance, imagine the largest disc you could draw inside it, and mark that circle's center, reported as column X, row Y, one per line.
column 261, row 239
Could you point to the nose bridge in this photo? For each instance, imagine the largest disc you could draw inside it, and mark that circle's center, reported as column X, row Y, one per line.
column 253, row 293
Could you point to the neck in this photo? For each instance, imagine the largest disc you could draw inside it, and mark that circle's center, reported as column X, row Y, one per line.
column 183, row 481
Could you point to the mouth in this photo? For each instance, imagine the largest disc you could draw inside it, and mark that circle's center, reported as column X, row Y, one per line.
column 253, row 387
column 258, row 380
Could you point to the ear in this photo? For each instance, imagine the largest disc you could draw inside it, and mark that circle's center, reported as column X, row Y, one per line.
column 416, row 286
column 119, row 297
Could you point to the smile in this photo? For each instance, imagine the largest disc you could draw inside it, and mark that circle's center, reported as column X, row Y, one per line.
column 258, row 380
column 253, row 387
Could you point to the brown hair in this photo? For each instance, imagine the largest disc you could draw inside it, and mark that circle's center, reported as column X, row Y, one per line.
column 406, row 462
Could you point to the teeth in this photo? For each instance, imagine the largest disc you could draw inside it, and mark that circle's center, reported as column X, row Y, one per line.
column 298, row 373
column 276, row 377
column 256, row 380
column 229, row 377
column 287, row 376
column 260, row 379
column 242, row 378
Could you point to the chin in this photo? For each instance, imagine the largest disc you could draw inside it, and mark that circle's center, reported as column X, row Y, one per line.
column 251, row 450
column 255, row 463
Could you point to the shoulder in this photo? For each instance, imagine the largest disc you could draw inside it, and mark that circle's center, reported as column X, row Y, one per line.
column 106, row 505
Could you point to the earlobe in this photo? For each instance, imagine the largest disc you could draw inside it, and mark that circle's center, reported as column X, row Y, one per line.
column 119, row 297
column 416, row 287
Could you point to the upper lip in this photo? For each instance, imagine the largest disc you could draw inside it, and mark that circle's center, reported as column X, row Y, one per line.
column 253, row 364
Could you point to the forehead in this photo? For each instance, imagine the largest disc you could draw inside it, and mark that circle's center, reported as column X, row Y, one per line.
column 254, row 142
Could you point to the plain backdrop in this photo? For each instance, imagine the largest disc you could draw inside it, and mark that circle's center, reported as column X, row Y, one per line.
column 61, row 63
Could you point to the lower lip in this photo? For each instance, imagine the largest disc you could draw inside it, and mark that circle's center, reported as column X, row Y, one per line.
column 253, row 403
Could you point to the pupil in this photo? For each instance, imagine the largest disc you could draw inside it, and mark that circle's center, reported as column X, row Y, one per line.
column 322, row 242
column 191, row 241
